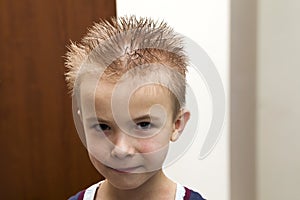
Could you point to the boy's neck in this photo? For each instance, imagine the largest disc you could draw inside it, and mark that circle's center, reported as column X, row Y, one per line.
column 157, row 187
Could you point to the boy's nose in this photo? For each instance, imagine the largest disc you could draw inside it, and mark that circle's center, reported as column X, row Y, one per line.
column 123, row 146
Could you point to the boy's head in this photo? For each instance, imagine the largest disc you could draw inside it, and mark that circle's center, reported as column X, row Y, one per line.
column 133, row 46
column 128, row 78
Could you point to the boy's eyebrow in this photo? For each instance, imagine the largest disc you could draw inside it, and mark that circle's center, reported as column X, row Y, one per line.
column 97, row 119
column 143, row 118
column 148, row 117
column 140, row 118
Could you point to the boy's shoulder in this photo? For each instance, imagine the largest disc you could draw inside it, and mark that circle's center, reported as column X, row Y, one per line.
column 78, row 196
column 192, row 195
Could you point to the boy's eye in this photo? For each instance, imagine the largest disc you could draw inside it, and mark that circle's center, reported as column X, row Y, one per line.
column 143, row 125
column 101, row 127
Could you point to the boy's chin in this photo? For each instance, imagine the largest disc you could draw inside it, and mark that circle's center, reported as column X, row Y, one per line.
column 131, row 181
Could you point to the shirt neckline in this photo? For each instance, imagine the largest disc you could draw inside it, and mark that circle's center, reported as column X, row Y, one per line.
column 90, row 192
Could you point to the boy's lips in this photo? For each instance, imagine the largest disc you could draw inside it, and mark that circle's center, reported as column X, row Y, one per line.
column 125, row 170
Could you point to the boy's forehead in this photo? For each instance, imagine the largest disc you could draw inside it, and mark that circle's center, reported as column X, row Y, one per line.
column 102, row 94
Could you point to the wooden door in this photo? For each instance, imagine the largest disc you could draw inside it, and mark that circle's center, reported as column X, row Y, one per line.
column 41, row 154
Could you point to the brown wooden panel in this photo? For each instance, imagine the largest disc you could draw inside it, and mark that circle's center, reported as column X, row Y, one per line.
column 41, row 154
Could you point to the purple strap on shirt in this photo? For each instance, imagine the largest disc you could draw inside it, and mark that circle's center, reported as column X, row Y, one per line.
column 81, row 195
column 187, row 194
column 192, row 195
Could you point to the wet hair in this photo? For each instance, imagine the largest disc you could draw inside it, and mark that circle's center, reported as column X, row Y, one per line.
column 132, row 46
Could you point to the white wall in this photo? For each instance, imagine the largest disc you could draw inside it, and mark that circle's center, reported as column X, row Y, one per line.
column 278, row 97
column 242, row 99
column 206, row 22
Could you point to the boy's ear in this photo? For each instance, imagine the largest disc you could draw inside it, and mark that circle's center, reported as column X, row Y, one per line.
column 79, row 114
column 179, row 124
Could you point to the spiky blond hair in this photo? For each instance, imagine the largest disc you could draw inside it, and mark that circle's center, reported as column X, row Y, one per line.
column 123, row 43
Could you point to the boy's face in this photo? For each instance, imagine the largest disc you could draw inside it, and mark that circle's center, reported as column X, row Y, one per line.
column 127, row 140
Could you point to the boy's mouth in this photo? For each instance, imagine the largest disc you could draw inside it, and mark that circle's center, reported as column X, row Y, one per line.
column 125, row 170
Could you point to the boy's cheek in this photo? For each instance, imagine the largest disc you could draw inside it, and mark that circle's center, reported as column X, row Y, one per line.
column 97, row 164
column 154, row 156
column 159, row 142
column 153, row 149
column 98, row 150
column 94, row 161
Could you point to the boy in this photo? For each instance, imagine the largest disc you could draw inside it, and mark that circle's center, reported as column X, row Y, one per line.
column 128, row 82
